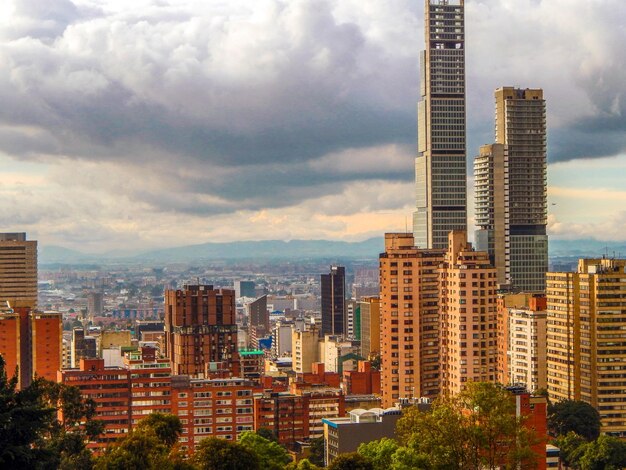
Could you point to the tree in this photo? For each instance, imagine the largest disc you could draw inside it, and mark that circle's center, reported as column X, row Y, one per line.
column 475, row 430
column 267, row 434
column 304, row 464
column 270, row 454
column 316, row 454
column 25, row 419
column 219, row 454
column 351, row 461
column 576, row 416
column 605, row 453
column 572, row 447
column 380, row 452
column 167, row 427
column 150, row 446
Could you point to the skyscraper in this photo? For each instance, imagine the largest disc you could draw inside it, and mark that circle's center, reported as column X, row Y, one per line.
column 200, row 328
column 18, row 270
column 333, row 301
column 511, row 204
column 585, row 338
column 440, row 166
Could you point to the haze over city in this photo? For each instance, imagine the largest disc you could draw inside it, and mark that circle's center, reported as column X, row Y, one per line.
column 160, row 123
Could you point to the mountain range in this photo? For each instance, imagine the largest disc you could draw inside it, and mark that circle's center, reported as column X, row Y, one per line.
column 282, row 250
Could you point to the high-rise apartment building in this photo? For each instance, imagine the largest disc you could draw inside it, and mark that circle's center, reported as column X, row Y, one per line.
column 440, row 167
column 511, row 203
column 31, row 343
column 522, row 340
column 468, row 324
column 200, row 328
column 585, row 358
column 305, row 349
column 370, row 326
column 333, row 286
column 18, row 270
column 409, row 319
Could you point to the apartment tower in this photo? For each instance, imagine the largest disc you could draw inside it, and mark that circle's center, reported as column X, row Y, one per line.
column 468, row 322
column 440, row 166
column 200, row 328
column 333, row 301
column 585, row 347
column 18, row 270
column 511, row 202
column 409, row 319
column 370, row 327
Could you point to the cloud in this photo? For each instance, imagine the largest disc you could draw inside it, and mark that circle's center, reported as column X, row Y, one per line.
column 189, row 110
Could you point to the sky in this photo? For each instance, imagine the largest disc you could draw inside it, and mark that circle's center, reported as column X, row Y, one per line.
column 140, row 124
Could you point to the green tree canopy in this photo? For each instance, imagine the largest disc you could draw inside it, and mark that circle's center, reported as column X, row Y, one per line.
column 576, row 416
column 316, row 451
column 477, row 429
column 25, row 419
column 379, row 453
column 351, row 461
column 605, row 453
column 220, row 454
column 271, row 455
column 166, row 427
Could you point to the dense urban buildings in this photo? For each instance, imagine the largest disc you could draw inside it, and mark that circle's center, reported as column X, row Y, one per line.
column 409, row 319
column 468, row 322
column 333, row 288
column 586, row 357
column 440, row 167
column 200, row 328
column 511, row 201
column 18, row 270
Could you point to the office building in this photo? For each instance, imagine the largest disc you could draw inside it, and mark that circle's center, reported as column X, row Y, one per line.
column 369, row 308
column 585, row 342
column 245, row 289
column 440, row 166
column 200, row 328
column 95, row 304
column 333, row 286
column 409, row 319
column 258, row 314
column 18, row 270
column 344, row 434
column 467, row 335
column 511, row 201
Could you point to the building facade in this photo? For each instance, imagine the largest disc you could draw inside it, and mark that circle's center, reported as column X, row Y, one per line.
column 511, row 195
column 409, row 319
column 526, row 353
column 468, row 323
column 440, row 167
column 586, row 359
column 370, row 326
column 333, row 286
column 18, row 270
column 200, row 328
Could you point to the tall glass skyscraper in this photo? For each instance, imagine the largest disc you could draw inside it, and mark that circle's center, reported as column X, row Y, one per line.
column 511, row 201
column 440, row 167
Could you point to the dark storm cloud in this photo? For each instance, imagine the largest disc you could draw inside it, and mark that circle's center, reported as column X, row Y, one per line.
column 252, row 96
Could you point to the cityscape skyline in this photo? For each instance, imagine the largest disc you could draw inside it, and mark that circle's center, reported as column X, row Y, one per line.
column 287, row 173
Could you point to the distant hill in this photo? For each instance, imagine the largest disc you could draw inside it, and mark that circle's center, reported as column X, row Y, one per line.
column 586, row 248
column 254, row 250
column 294, row 249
